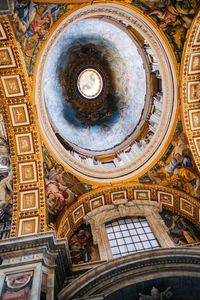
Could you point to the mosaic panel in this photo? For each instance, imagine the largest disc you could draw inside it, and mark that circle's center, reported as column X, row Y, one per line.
column 78, row 213
column 193, row 91
column 194, row 119
column 3, row 35
column 166, row 198
column 186, row 206
column 66, row 226
column 180, row 230
column 118, row 196
column 142, row 195
column 194, row 66
column 197, row 37
column 197, row 144
column 81, row 246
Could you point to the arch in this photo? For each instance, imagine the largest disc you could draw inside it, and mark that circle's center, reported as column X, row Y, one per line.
column 138, row 194
column 125, row 271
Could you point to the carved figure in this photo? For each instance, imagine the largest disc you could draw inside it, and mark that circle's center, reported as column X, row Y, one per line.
column 6, row 191
column 156, row 294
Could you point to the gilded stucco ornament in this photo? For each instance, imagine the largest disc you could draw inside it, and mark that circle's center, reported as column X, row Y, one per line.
column 169, row 99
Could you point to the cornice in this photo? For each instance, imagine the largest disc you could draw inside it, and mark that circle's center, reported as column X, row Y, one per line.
column 131, row 269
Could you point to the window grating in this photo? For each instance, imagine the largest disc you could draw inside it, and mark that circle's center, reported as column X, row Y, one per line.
column 130, row 235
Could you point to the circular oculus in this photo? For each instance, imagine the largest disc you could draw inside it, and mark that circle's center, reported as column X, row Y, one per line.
column 89, row 83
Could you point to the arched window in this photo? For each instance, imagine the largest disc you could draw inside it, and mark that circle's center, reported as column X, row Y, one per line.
column 129, row 235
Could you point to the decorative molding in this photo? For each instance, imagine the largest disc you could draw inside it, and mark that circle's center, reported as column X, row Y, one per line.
column 25, row 152
column 102, row 198
column 29, row 200
column 166, row 198
column 97, row 202
column 134, row 268
column 28, row 226
column 168, row 74
column 190, row 88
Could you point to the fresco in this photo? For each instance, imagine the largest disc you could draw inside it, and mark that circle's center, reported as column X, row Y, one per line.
column 5, row 183
column 61, row 188
column 81, row 246
column 33, row 22
column 176, row 168
column 173, row 17
column 126, row 67
column 17, row 286
column 180, row 230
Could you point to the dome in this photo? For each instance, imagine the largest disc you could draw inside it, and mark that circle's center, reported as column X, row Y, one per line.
column 101, row 88
column 94, row 88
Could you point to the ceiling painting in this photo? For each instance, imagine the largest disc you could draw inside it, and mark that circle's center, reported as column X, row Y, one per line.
column 82, row 248
column 172, row 17
column 33, row 22
column 180, row 230
column 110, row 125
column 61, row 188
column 95, row 134
column 176, row 168
column 174, row 181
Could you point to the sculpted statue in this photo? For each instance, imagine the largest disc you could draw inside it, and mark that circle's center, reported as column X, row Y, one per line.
column 157, row 295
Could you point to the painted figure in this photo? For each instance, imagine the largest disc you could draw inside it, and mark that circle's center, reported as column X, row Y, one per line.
column 176, row 13
column 30, row 22
column 80, row 246
column 178, row 170
column 61, row 188
column 180, row 230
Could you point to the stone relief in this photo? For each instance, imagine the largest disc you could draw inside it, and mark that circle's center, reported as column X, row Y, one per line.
column 5, row 183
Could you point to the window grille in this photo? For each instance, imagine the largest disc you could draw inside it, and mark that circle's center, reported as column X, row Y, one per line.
column 129, row 235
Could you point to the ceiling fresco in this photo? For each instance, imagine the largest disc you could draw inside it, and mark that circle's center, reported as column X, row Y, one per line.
column 173, row 17
column 180, row 230
column 175, row 175
column 176, row 168
column 33, row 22
column 127, row 89
column 61, row 188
